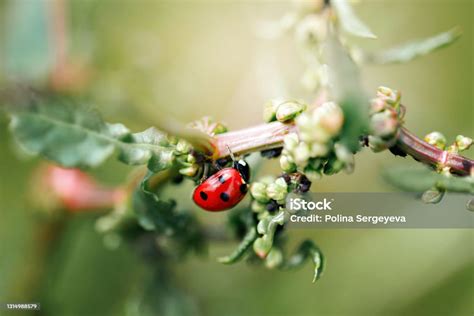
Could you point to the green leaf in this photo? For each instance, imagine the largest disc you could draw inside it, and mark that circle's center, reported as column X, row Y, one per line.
column 307, row 250
column 423, row 179
column 242, row 249
column 411, row 50
column 347, row 89
column 153, row 213
column 74, row 135
column 181, row 229
column 349, row 20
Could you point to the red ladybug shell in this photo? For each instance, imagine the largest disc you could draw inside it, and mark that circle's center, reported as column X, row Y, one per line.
column 221, row 191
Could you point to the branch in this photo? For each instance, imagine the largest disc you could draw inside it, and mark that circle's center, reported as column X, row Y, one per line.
column 430, row 155
column 267, row 136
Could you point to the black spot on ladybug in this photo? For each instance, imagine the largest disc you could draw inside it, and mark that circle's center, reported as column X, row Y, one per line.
column 243, row 188
column 203, row 195
column 224, row 197
column 221, row 179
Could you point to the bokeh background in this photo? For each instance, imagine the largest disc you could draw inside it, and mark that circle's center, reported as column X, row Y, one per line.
column 142, row 61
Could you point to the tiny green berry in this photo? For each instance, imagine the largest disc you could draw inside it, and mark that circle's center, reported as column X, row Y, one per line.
column 463, row 142
column 436, row 139
column 258, row 190
column 277, row 190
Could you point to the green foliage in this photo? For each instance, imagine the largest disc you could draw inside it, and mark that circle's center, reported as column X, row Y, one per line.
column 307, row 250
column 414, row 49
column 181, row 229
column 349, row 21
column 422, row 179
column 74, row 135
column 242, row 248
column 349, row 94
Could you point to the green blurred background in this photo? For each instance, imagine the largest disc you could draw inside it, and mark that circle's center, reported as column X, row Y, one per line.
column 145, row 60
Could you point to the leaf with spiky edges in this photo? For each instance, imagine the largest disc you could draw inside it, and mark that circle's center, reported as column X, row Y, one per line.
column 74, row 135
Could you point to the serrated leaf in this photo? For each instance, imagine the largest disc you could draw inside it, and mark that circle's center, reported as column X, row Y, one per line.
column 411, row 50
column 160, row 215
column 420, row 180
column 349, row 21
column 74, row 135
column 346, row 86
column 153, row 213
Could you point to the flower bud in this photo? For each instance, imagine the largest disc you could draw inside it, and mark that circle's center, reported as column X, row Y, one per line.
column 190, row 159
column 258, row 207
column 301, row 154
column 219, row 129
column 277, row 190
column 189, row 171
column 270, row 109
column 377, row 144
column 390, row 96
column 183, row 147
column 330, row 117
column 376, row 105
column 274, row 258
column 384, row 124
column 262, row 246
column 258, row 192
column 287, row 164
column 290, row 141
column 463, row 142
column 289, row 110
column 318, row 150
column 436, row 139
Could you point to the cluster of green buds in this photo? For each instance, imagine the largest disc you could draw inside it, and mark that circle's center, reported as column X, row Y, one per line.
column 185, row 158
column 269, row 199
column 313, row 151
column 461, row 143
column 282, row 110
column 184, row 153
column 386, row 115
column 438, row 140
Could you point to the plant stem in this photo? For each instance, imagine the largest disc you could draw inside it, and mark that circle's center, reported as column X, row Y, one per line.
column 267, row 136
column 430, row 155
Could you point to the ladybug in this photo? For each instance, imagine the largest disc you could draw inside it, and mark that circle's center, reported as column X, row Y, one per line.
column 224, row 189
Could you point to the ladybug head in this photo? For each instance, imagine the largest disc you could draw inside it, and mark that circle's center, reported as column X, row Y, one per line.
column 243, row 168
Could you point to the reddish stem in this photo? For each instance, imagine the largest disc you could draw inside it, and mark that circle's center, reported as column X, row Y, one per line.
column 428, row 154
column 271, row 135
